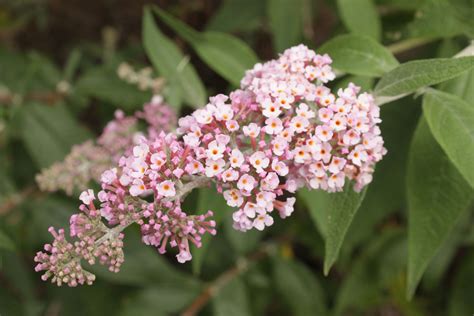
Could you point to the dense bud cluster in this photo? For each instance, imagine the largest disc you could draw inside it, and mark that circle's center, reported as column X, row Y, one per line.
column 283, row 130
column 87, row 161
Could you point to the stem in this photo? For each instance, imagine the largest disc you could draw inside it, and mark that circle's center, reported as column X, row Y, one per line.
column 182, row 192
column 215, row 286
column 408, row 44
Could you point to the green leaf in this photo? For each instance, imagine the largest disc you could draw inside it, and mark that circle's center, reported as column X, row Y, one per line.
column 359, row 55
column 242, row 242
column 159, row 300
column 49, row 132
column 360, row 17
column 144, row 266
column 5, row 242
column 231, row 300
column 208, row 199
column 286, row 22
column 333, row 214
column 387, row 193
column 413, row 75
column 360, row 289
column 461, row 86
column 170, row 62
column 460, row 298
column 299, row 288
column 442, row 19
column 225, row 19
column 451, row 121
column 227, row 55
column 437, row 195
column 104, row 84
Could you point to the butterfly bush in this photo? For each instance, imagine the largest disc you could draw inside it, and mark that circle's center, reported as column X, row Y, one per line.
column 281, row 131
column 87, row 161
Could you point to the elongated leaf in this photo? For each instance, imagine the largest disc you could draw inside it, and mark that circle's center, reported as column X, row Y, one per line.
column 6, row 242
column 286, row 22
column 446, row 18
column 145, row 266
column 49, row 132
column 413, row 75
column 360, row 17
column 208, row 199
column 102, row 83
column 170, row 62
column 359, row 55
column 227, row 55
column 232, row 300
column 333, row 214
column 225, row 19
column 242, row 242
column 159, row 300
column 451, row 121
column 461, row 86
column 437, row 195
column 299, row 288
column 460, row 300
column 361, row 288
column 387, row 192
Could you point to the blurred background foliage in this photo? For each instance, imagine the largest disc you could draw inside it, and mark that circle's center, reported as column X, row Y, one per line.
column 59, row 87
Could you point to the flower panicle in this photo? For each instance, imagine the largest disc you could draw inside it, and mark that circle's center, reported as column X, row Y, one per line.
column 87, row 161
column 281, row 131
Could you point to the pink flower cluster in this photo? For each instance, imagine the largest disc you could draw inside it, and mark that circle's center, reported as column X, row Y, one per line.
column 88, row 160
column 283, row 130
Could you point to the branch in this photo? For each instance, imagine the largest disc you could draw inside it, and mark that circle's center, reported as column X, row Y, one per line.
column 215, row 286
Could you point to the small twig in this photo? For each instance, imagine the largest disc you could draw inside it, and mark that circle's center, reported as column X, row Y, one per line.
column 408, row 44
column 215, row 286
column 16, row 199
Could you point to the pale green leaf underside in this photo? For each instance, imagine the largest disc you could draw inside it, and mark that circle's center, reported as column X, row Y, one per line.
column 360, row 17
column 286, row 22
column 227, row 55
column 413, row 75
column 437, row 195
column 333, row 214
column 359, row 55
column 170, row 62
column 451, row 121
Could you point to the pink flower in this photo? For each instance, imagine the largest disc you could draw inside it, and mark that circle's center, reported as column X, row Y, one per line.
column 304, row 111
column 232, row 125
column 236, row 158
column 109, row 176
column 137, row 188
column 279, row 167
column 279, row 145
column 273, row 125
column 270, row 182
column 271, row 110
column 259, row 161
column 252, row 130
column 87, row 197
column 214, row 167
column 324, row 133
column 246, row 183
column 262, row 220
column 325, row 115
column 299, row 124
column 230, row 175
column 336, row 181
column 183, row 256
column 233, row 198
column 215, row 150
column 194, row 167
column 157, row 161
column 166, row 188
